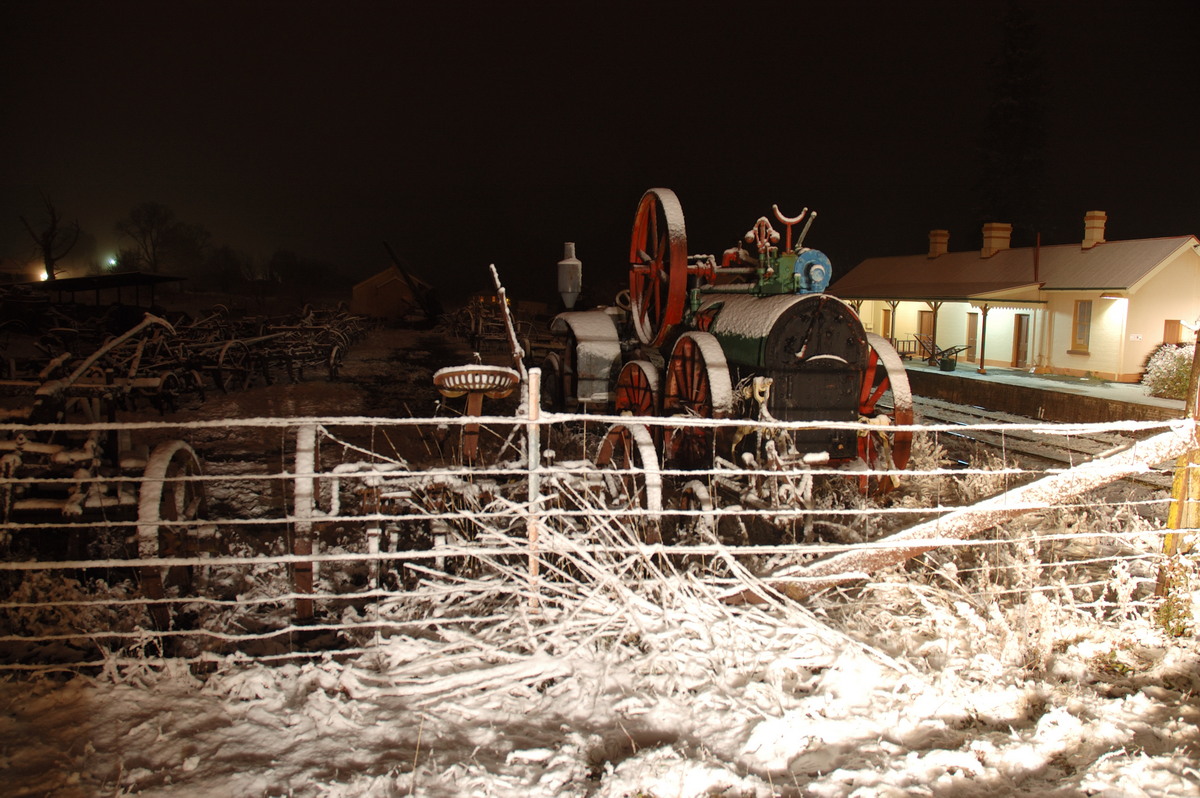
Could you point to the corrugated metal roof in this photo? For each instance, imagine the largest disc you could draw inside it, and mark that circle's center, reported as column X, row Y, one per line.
column 958, row 275
column 915, row 289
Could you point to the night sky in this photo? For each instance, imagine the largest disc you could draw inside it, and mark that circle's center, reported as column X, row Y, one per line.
column 469, row 133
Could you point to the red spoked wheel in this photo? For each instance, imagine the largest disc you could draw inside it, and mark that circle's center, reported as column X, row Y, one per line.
column 698, row 386
column 632, row 480
column 636, row 392
column 658, row 266
column 886, row 448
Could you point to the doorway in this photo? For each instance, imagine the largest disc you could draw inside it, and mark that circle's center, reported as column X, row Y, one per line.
column 925, row 321
column 1021, row 341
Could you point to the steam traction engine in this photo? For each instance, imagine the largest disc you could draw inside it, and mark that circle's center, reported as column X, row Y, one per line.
column 751, row 337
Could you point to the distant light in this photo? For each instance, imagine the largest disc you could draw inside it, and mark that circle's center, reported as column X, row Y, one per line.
column 44, row 276
column 111, row 262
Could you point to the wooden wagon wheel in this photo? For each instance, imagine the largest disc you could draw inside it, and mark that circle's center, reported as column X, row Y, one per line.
column 338, row 343
column 165, row 395
column 697, row 386
column 631, row 477
column 884, row 448
column 170, row 493
column 333, row 361
column 235, row 367
column 636, row 392
column 658, row 266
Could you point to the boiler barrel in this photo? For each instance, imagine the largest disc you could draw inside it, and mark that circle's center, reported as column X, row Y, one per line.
column 811, row 345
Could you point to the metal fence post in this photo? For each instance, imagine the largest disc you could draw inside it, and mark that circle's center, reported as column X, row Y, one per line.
column 534, row 454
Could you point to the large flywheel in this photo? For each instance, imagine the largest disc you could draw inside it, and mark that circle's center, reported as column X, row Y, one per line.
column 697, row 385
column 885, row 448
column 658, row 266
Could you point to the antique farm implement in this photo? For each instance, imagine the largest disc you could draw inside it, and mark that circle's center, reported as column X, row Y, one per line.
column 75, row 482
column 66, row 478
column 751, row 335
column 735, row 379
column 751, row 338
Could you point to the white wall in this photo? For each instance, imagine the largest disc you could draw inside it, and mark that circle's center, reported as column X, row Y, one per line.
column 951, row 320
column 1126, row 331
column 1171, row 293
column 1108, row 322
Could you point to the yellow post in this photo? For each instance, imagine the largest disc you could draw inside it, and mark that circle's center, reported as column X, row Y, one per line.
column 1185, row 488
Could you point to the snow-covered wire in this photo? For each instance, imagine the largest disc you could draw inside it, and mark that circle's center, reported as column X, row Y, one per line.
column 457, row 564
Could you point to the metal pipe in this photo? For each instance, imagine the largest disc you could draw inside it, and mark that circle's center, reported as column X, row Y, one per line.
column 804, row 232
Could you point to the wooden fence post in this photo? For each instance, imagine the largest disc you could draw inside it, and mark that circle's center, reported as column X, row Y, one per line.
column 302, row 542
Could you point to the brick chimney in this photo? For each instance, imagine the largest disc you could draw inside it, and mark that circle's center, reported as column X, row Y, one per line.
column 938, row 241
column 997, row 237
column 1093, row 228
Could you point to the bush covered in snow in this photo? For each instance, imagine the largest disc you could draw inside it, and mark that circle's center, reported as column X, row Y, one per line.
column 1168, row 370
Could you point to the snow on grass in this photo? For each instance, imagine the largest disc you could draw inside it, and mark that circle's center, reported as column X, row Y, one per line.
column 629, row 678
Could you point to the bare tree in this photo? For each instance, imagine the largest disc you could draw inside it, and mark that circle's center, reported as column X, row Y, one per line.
column 163, row 243
column 54, row 239
column 149, row 226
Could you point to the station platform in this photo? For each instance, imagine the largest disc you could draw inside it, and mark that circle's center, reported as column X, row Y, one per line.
column 1047, row 397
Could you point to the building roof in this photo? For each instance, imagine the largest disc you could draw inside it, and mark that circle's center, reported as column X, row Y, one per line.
column 388, row 275
column 1113, row 265
column 100, row 282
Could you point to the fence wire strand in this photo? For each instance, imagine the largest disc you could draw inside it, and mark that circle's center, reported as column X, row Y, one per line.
column 397, row 549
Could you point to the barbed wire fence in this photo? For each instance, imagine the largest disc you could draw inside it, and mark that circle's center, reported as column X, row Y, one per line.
column 302, row 538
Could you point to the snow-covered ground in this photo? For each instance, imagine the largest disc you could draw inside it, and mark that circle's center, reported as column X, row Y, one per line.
column 646, row 685
column 967, row 676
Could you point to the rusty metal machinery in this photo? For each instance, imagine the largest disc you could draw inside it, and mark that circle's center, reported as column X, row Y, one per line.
column 77, row 488
column 749, row 335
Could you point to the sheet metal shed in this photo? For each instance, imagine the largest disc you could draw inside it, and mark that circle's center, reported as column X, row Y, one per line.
column 136, row 288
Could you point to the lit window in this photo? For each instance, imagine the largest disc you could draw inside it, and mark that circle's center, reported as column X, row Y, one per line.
column 1082, row 325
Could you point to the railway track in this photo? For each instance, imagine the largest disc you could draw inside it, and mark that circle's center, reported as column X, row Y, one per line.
column 1068, row 450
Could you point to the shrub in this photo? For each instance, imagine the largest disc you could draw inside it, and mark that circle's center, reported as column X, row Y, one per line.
column 1168, row 370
